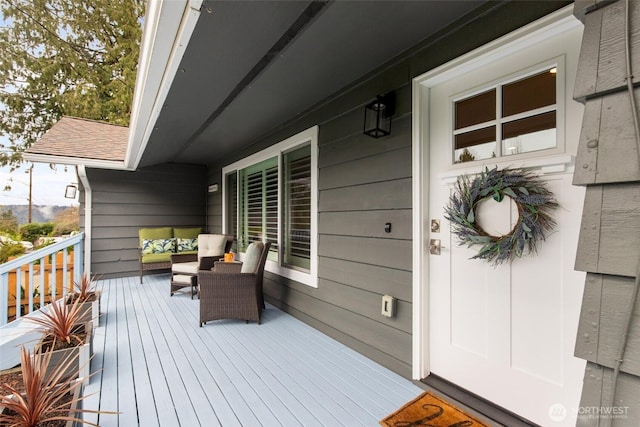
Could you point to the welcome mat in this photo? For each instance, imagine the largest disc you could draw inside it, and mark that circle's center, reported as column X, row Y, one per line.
column 429, row 410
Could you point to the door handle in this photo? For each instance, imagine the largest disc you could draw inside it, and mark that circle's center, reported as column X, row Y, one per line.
column 435, row 246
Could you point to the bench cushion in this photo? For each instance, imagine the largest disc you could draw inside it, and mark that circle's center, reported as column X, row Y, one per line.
column 187, row 233
column 155, row 233
column 153, row 258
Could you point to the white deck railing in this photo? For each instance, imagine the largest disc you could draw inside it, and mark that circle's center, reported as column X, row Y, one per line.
column 35, row 279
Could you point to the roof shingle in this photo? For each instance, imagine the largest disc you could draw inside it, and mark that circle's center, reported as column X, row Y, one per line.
column 83, row 138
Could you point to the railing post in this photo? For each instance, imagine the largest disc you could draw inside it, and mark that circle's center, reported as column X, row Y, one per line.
column 78, row 267
column 4, row 294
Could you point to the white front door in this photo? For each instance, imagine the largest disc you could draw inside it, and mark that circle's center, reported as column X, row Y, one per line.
column 504, row 333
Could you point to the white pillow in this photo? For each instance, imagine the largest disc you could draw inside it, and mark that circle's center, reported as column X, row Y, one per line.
column 252, row 258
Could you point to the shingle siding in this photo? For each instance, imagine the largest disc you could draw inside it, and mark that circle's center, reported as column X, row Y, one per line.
column 608, row 249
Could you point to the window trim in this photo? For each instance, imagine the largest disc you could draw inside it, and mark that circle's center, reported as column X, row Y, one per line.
column 310, row 137
column 559, row 107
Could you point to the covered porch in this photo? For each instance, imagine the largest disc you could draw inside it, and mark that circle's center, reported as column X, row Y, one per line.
column 155, row 366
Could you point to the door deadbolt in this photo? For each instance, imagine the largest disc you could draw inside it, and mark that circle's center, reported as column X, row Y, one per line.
column 435, row 225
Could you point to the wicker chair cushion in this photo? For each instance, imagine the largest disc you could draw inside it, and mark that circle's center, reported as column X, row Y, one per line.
column 190, row 267
column 211, row 245
column 252, row 258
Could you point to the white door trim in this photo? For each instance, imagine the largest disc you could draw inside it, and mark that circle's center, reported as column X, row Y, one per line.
column 542, row 29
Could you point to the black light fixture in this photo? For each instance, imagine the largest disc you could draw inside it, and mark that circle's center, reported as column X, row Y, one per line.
column 377, row 116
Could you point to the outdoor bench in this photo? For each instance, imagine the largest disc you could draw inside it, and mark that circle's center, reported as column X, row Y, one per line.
column 156, row 246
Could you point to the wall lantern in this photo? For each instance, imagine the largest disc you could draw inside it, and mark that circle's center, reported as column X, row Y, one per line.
column 377, row 116
column 70, row 191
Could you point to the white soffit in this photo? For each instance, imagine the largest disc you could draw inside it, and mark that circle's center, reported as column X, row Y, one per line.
column 167, row 29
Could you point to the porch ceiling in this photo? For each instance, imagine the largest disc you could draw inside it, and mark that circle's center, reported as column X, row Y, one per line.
column 251, row 66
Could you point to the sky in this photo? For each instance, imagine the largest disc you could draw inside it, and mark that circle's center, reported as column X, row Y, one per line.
column 47, row 187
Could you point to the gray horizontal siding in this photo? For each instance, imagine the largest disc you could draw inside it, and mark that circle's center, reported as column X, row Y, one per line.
column 123, row 202
column 365, row 183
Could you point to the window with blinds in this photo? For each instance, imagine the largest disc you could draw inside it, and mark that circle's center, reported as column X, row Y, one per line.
column 297, row 221
column 258, row 205
column 272, row 196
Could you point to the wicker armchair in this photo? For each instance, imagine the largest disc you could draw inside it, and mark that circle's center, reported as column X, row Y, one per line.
column 185, row 267
column 234, row 290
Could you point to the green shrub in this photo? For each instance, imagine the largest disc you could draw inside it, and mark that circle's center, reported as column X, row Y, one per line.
column 9, row 249
column 31, row 232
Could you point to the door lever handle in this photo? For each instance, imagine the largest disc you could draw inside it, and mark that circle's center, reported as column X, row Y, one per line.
column 435, row 246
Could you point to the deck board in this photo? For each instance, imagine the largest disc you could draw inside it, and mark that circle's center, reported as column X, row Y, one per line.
column 156, row 366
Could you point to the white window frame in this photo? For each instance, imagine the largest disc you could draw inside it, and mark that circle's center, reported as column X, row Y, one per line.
column 559, row 64
column 310, row 137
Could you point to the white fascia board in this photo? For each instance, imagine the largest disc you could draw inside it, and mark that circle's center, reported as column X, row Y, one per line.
column 168, row 27
column 76, row 161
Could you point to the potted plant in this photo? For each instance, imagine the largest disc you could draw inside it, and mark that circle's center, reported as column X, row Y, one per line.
column 64, row 336
column 89, row 297
column 42, row 397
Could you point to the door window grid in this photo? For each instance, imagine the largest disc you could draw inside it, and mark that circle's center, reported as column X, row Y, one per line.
column 530, row 126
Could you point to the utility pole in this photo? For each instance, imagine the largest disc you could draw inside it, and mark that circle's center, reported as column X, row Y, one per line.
column 30, row 190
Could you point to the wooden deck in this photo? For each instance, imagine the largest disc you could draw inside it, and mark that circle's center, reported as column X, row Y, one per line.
column 156, row 367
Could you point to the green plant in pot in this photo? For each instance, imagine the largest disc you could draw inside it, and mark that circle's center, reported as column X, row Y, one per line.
column 89, row 299
column 64, row 333
column 45, row 397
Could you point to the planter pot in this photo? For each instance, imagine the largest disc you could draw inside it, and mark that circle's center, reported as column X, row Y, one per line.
column 90, row 310
column 76, row 403
column 81, row 367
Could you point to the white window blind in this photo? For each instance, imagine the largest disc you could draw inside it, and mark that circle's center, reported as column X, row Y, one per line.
column 259, row 205
column 297, row 223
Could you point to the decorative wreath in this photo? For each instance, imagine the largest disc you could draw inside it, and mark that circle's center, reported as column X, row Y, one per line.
column 534, row 203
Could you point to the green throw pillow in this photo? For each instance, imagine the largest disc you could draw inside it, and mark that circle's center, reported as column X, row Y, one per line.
column 158, row 246
column 187, row 245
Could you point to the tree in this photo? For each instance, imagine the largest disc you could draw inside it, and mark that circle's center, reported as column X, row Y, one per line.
column 8, row 222
column 66, row 221
column 62, row 57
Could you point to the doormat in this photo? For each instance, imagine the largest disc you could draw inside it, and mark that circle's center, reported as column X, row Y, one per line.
column 429, row 410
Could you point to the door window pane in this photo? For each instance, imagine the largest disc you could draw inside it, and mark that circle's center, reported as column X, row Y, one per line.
column 528, row 94
column 475, row 145
column 529, row 134
column 475, row 110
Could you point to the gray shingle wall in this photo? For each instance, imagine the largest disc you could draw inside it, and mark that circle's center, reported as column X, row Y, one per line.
column 609, row 250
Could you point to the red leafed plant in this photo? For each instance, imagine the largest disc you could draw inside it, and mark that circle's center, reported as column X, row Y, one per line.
column 84, row 289
column 61, row 323
column 45, row 397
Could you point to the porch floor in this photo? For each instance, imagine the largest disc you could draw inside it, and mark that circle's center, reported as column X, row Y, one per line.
column 156, row 367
